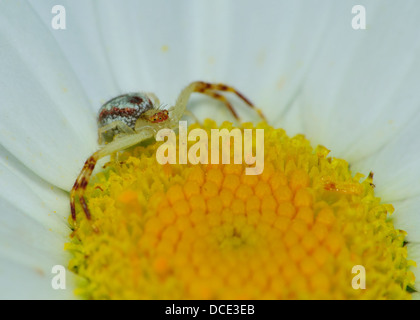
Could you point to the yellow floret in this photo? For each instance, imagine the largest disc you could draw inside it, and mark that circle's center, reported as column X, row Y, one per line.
column 188, row 231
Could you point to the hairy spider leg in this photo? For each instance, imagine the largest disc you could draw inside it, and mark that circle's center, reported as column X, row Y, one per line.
column 208, row 89
column 223, row 99
column 82, row 180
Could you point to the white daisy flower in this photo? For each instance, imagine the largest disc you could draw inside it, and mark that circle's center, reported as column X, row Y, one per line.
column 302, row 63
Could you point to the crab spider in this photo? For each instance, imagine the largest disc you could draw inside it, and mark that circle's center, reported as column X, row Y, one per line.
column 129, row 119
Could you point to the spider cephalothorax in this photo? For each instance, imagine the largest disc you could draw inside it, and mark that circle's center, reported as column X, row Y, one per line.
column 159, row 116
column 131, row 118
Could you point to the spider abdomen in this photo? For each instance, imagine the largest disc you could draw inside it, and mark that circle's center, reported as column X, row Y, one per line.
column 126, row 108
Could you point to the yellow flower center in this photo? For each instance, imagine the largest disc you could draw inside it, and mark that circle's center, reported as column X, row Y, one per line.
column 188, row 231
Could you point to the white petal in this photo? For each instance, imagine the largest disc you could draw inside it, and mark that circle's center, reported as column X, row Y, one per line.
column 272, row 47
column 43, row 120
column 361, row 98
column 147, row 45
column 32, row 233
column 362, row 87
column 37, row 199
column 415, row 296
column 29, row 220
column 173, row 43
column 263, row 49
column 396, row 165
column 22, row 282
column 413, row 250
column 82, row 46
column 406, row 218
column 31, row 248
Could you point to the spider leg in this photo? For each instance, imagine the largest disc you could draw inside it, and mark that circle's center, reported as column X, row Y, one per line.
column 223, row 99
column 83, row 178
column 155, row 99
column 117, row 124
column 80, row 185
column 208, row 89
